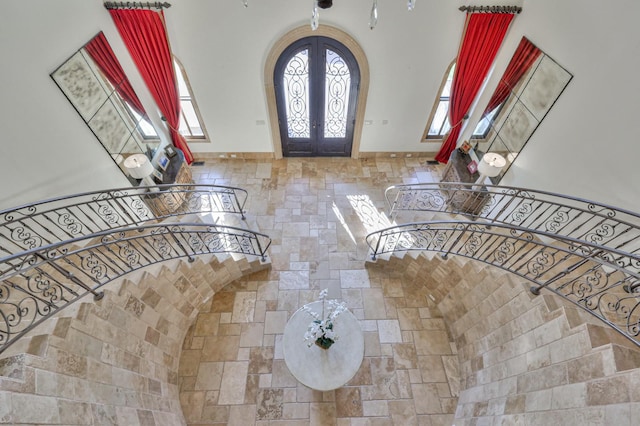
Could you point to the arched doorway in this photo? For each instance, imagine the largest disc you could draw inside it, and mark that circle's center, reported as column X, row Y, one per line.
column 316, row 80
column 344, row 43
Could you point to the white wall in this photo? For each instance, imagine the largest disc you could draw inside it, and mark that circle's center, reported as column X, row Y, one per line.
column 223, row 47
column 47, row 150
column 585, row 146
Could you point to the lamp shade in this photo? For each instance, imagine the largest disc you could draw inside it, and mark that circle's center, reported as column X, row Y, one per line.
column 138, row 166
column 491, row 164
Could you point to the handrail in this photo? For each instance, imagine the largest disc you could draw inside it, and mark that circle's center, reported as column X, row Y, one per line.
column 62, row 218
column 44, row 280
column 537, row 210
column 603, row 281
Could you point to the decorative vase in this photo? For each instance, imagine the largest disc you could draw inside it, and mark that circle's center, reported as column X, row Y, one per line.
column 324, row 342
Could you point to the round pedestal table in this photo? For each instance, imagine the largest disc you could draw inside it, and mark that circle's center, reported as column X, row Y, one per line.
column 323, row 369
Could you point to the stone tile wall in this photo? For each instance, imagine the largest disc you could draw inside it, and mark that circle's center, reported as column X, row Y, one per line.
column 115, row 361
column 530, row 360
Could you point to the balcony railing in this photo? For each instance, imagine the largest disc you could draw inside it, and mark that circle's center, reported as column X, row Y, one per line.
column 57, row 251
column 52, row 277
column 557, row 214
column 586, row 252
column 63, row 218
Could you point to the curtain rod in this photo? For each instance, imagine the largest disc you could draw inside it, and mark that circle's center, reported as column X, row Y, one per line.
column 491, row 9
column 135, row 5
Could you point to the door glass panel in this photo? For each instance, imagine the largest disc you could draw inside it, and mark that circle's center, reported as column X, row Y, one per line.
column 296, row 95
column 338, row 85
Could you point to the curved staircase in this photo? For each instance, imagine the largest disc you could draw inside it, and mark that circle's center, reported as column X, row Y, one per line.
column 522, row 359
column 124, row 348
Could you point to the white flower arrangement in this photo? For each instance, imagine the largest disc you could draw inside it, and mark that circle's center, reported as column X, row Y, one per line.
column 320, row 331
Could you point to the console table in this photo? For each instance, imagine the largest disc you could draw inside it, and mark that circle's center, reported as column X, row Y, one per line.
column 462, row 199
column 323, row 369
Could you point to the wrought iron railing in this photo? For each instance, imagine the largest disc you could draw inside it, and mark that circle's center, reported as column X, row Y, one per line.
column 43, row 280
column 63, row 218
column 586, row 252
column 602, row 280
column 557, row 214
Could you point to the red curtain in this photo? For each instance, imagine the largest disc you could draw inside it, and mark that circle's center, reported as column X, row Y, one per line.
column 100, row 51
column 524, row 56
column 482, row 39
column 143, row 32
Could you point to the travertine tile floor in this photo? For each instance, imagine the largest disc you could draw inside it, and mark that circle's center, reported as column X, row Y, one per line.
column 317, row 212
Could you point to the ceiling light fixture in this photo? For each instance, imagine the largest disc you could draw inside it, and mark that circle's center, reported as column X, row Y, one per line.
column 326, row 4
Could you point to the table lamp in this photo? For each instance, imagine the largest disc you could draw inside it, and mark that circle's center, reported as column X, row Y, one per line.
column 139, row 167
column 490, row 166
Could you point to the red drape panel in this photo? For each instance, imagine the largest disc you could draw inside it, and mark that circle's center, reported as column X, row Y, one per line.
column 482, row 39
column 100, row 51
column 524, row 56
column 143, row 32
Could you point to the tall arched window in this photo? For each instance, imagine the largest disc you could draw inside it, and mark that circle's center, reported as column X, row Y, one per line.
column 191, row 124
column 438, row 124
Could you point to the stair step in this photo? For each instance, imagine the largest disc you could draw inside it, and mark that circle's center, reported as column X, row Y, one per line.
column 626, row 358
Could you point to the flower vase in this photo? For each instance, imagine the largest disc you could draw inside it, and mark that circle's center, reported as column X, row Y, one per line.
column 324, row 342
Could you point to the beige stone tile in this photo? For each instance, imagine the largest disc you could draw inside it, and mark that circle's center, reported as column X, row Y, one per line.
column 426, row 400
column 267, row 290
column 389, row 331
column 225, row 317
column 251, row 335
column 220, row 348
column 404, row 356
column 261, row 360
column 207, row 324
column 296, row 229
column 281, row 377
column 354, row 279
column 402, row 412
column 192, row 403
column 374, row 307
column 215, row 414
column 233, row 385
column 244, row 306
column 348, row 402
column 430, row 342
column 409, row 319
column 242, row 415
column 223, row 301
column 352, row 297
column 295, row 410
column 265, row 381
column 290, row 394
column 322, row 414
column 294, row 280
column 305, row 394
column 275, row 322
column 209, row 376
column 375, row 408
column 243, row 354
column 269, row 404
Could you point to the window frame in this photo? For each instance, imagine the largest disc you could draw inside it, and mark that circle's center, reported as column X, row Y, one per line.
column 434, row 108
column 179, row 68
column 440, row 138
column 137, row 118
column 487, row 133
